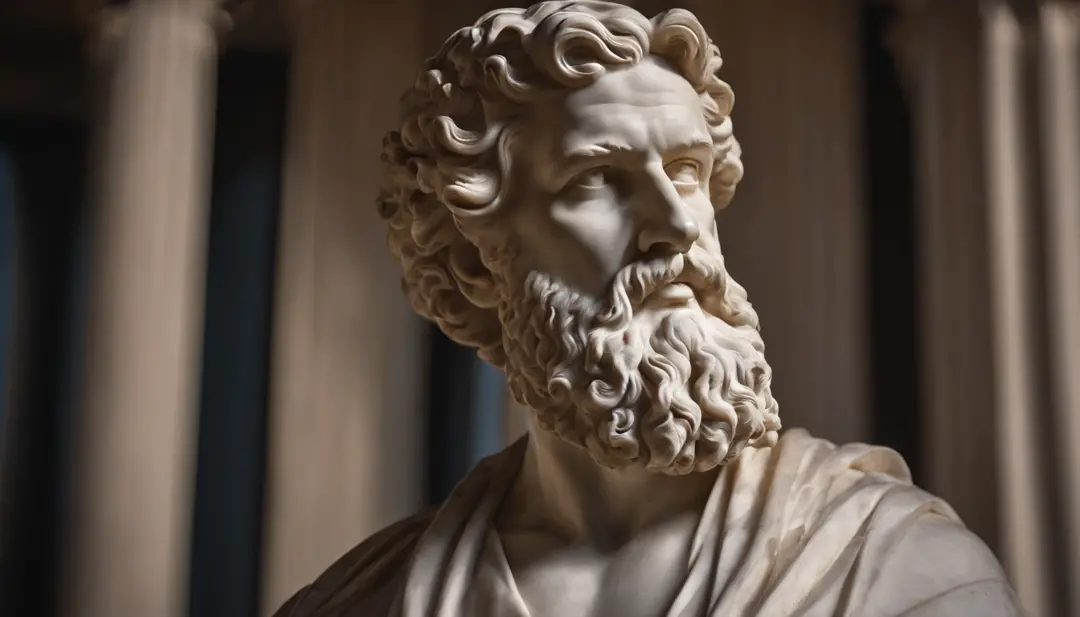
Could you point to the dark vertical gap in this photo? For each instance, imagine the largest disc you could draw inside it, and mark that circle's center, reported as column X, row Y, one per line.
column 243, row 221
column 47, row 160
column 451, row 369
column 465, row 410
column 893, row 290
column 7, row 265
column 489, row 408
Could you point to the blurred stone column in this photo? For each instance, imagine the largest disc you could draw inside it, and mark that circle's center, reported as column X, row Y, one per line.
column 346, row 434
column 939, row 46
column 132, row 464
column 1059, row 58
column 1015, row 307
column 996, row 97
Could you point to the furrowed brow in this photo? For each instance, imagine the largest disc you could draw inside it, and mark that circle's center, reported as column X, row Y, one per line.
column 694, row 145
column 594, row 150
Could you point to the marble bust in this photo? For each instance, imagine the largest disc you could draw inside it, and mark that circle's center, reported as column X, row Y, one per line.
column 551, row 196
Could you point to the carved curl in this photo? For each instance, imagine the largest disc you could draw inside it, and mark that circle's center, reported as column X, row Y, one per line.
column 445, row 167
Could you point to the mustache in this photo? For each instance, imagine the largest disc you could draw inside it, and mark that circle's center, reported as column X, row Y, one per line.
column 697, row 268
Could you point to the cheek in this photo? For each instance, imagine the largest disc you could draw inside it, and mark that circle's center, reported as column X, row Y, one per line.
column 600, row 227
column 703, row 212
column 583, row 243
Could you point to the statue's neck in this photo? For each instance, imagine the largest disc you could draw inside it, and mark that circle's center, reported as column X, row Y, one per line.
column 561, row 490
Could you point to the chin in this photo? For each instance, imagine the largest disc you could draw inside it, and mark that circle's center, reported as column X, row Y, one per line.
column 656, row 383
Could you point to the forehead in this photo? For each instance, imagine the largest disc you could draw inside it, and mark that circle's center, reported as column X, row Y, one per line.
column 647, row 107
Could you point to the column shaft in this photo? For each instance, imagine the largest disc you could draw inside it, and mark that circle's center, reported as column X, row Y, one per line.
column 132, row 480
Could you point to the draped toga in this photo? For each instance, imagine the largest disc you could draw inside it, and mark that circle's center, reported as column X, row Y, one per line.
column 802, row 528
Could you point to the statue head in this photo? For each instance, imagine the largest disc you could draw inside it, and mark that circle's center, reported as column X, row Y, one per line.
column 551, row 196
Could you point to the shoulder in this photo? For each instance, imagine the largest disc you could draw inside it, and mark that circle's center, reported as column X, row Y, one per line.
column 829, row 468
column 939, row 567
column 363, row 574
column 367, row 580
column 914, row 557
column 808, row 487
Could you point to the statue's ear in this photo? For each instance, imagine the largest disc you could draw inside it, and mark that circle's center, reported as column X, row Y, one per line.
column 473, row 278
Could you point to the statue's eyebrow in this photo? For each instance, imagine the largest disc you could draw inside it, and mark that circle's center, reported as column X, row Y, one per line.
column 581, row 155
column 593, row 150
column 693, row 146
column 577, row 152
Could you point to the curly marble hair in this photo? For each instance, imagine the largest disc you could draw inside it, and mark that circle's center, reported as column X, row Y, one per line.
column 446, row 167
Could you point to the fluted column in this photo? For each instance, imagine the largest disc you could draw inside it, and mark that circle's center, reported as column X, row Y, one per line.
column 995, row 91
column 939, row 44
column 1059, row 57
column 132, row 466
column 346, row 436
column 1014, row 306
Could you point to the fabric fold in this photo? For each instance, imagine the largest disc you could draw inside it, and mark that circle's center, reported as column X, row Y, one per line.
column 804, row 528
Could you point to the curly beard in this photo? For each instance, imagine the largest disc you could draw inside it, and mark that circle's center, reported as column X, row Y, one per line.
column 673, row 389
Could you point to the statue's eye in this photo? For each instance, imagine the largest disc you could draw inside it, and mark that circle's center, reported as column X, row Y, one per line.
column 592, row 179
column 685, row 174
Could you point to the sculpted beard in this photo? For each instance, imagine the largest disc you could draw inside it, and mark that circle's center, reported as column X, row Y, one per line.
column 675, row 389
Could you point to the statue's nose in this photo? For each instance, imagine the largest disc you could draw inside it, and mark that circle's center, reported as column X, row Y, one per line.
column 667, row 222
